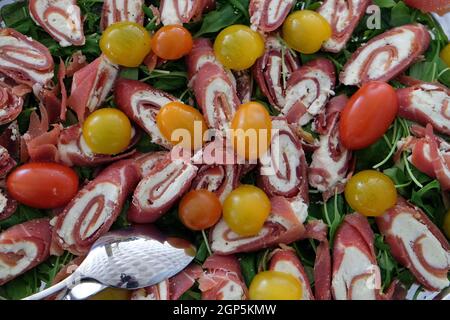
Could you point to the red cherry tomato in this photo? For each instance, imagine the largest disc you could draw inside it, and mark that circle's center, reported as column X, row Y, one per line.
column 200, row 209
column 368, row 115
column 172, row 42
column 43, row 185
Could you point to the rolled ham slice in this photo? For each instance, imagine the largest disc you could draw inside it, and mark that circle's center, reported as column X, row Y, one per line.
column 417, row 244
column 426, row 103
column 308, row 91
column 244, row 85
column 343, row 17
column 273, row 69
column 91, row 85
column 331, row 162
column 182, row 11
column 10, row 104
column 93, row 210
column 222, row 279
column 7, row 205
column 24, row 59
column 121, row 10
column 439, row 6
column 285, row 260
column 387, row 55
column 269, row 15
column 356, row 275
column 160, row 189
column 60, row 18
column 22, row 247
column 283, row 226
column 141, row 103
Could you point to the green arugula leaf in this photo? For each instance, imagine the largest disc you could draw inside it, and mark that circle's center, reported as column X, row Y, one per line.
column 248, row 266
column 400, row 15
column 218, row 19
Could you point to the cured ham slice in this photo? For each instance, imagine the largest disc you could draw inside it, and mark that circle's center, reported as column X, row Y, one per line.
column 60, row 18
column 182, row 11
column 244, row 85
column 6, row 162
column 141, row 103
column 121, row 10
column 145, row 162
column 10, row 104
column 426, row 103
column 93, row 210
column 24, row 59
column 285, row 260
column 91, row 85
column 283, row 226
column 439, row 6
column 387, row 55
column 331, row 162
column 431, row 155
column 417, row 244
column 308, row 91
column 76, row 62
column 73, row 150
column 7, row 205
column 272, row 70
column 222, row 279
column 160, row 189
column 10, row 139
column 269, row 15
column 171, row 289
column 23, row 247
column 343, row 16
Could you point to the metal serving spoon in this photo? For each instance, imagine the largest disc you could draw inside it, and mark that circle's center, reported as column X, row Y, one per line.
column 132, row 258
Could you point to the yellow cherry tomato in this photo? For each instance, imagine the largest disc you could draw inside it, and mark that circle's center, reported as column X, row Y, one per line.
column 445, row 54
column 180, row 123
column 126, row 43
column 305, row 31
column 370, row 193
column 246, row 209
column 446, row 225
column 112, row 294
column 251, row 127
column 107, row 131
column 237, row 47
column 275, row 285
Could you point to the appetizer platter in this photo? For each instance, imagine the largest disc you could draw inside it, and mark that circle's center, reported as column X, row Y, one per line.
column 302, row 147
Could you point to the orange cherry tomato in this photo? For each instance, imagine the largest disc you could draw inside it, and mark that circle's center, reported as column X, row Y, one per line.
column 172, row 42
column 43, row 185
column 200, row 209
column 368, row 115
column 175, row 116
column 251, row 127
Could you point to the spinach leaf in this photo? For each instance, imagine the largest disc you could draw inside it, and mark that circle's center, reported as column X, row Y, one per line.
column 218, row 19
column 385, row 3
column 400, row 15
column 248, row 266
column 22, row 214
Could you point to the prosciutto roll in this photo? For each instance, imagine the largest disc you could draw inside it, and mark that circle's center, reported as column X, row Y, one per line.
column 121, row 10
column 343, row 17
column 356, row 275
column 22, row 247
column 387, row 55
column 308, row 91
column 73, row 150
column 24, row 59
column 417, row 244
column 331, row 162
column 285, row 260
column 91, row 85
column 160, row 189
column 426, row 103
column 222, row 279
column 10, row 104
column 439, row 6
column 284, row 225
column 269, row 15
column 60, row 18
column 141, row 103
column 93, row 210
column 182, row 11
column 272, row 70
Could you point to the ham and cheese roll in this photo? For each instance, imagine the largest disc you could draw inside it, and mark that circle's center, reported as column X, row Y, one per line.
column 60, row 18
column 417, row 244
column 222, row 279
column 182, row 11
column 24, row 59
column 24, row 246
column 308, row 91
column 10, row 103
column 269, row 15
column 94, row 209
column 387, row 55
column 343, row 17
column 141, row 103
column 121, row 10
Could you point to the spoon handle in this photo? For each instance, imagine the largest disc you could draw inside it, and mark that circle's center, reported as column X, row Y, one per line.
column 66, row 283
